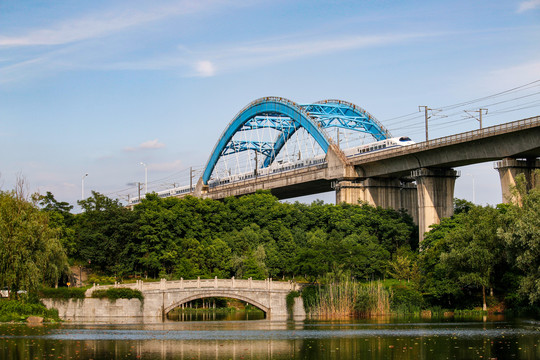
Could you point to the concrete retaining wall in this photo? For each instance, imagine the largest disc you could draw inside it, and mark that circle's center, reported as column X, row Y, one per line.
column 90, row 309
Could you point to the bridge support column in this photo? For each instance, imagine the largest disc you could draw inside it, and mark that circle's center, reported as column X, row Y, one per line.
column 435, row 188
column 384, row 192
column 508, row 170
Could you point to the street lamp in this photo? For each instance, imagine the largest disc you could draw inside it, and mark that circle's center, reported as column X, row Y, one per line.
column 82, row 186
column 145, row 177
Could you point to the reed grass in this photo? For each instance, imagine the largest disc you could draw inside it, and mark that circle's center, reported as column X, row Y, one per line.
column 343, row 297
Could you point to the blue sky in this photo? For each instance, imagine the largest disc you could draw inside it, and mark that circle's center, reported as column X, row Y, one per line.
column 99, row 86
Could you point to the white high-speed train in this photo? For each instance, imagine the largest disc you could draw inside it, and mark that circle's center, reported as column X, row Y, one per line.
column 166, row 193
column 378, row 145
column 276, row 167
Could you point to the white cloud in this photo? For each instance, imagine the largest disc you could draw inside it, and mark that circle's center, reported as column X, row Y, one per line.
column 528, row 5
column 150, row 144
column 102, row 24
column 205, row 68
column 187, row 61
column 232, row 57
column 517, row 74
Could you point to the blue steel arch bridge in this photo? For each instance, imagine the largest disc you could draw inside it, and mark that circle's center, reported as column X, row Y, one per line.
column 274, row 135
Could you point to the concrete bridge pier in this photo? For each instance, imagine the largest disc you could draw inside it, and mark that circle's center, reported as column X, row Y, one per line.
column 509, row 168
column 435, row 188
column 384, row 192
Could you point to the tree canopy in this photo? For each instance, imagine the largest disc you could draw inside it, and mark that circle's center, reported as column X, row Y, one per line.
column 31, row 253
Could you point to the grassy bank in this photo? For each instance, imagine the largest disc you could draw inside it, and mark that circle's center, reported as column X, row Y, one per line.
column 16, row 310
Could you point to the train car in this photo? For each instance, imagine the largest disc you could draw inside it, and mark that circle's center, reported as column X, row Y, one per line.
column 378, row 146
column 277, row 167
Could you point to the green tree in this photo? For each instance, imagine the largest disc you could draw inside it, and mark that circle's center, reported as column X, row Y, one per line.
column 104, row 234
column 465, row 252
column 438, row 282
column 400, row 268
column 61, row 218
column 254, row 265
column 522, row 235
column 30, row 252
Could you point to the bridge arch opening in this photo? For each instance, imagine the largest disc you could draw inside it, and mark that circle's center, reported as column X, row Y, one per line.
column 209, row 301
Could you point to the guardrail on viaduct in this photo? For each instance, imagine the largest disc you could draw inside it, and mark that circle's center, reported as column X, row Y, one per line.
column 457, row 138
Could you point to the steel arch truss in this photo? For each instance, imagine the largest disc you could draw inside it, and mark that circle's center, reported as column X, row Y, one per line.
column 287, row 118
column 342, row 114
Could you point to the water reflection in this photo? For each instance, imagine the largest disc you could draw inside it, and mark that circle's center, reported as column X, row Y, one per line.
column 215, row 315
column 393, row 338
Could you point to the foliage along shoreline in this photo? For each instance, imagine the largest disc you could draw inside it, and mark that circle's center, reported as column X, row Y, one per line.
column 481, row 256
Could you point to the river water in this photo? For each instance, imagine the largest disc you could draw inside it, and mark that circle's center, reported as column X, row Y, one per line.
column 381, row 338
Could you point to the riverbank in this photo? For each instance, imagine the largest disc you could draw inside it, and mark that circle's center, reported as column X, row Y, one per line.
column 337, row 298
column 19, row 311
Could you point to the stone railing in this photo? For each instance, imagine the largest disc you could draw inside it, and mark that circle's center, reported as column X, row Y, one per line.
column 199, row 283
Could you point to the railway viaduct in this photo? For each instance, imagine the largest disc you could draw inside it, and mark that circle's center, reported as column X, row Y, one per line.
column 419, row 178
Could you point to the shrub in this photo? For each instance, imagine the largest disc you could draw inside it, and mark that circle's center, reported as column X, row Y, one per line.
column 290, row 300
column 310, row 296
column 101, row 279
column 118, row 293
column 62, row 293
column 405, row 299
column 14, row 310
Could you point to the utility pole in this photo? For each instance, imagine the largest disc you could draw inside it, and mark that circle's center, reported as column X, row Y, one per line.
column 479, row 111
column 190, row 178
column 139, row 189
column 427, row 116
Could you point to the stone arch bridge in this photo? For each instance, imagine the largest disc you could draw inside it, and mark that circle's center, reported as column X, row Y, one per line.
column 163, row 296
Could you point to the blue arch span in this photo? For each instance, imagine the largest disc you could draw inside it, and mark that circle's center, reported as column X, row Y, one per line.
column 334, row 113
column 346, row 115
column 266, row 105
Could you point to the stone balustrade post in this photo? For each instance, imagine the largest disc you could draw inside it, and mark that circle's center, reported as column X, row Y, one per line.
column 215, row 282
column 163, row 284
column 250, row 280
column 232, row 282
column 270, row 284
column 198, row 282
column 181, row 283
